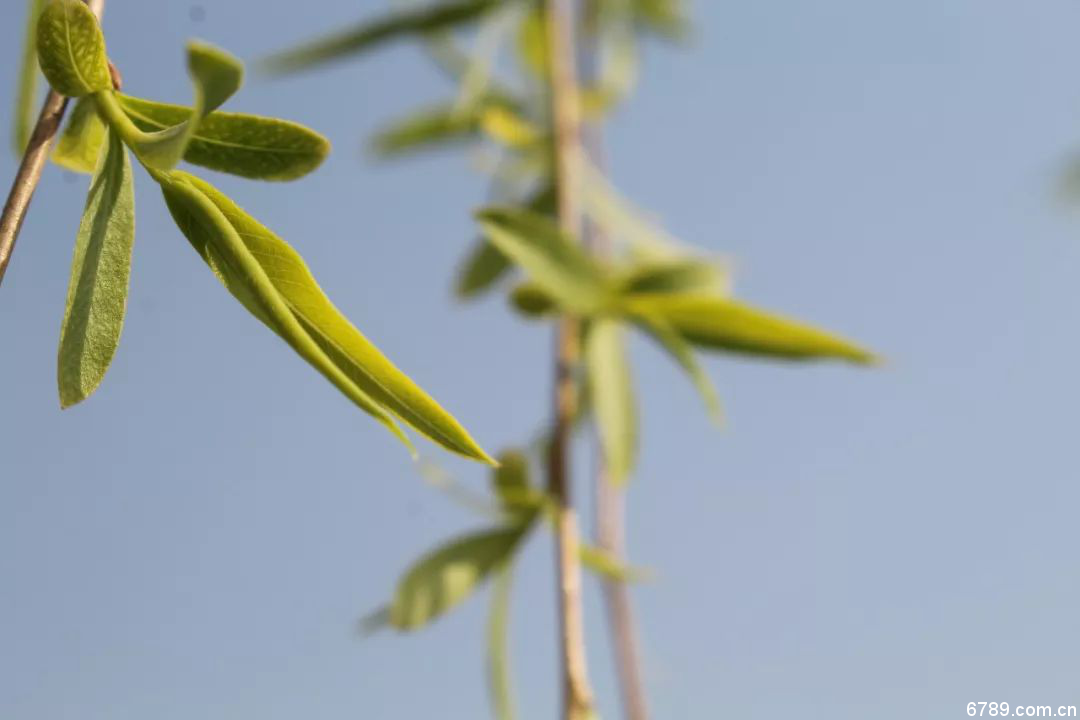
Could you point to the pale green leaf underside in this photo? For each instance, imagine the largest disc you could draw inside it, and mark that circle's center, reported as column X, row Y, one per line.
column 216, row 76
column 80, row 144
column 221, row 245
column 397, row 24
column 71, row 49
column 611, row 393
column 444, row 578
column 251, row 146
column 556, row 264
column 722, row 324
column 100, row 269
column 26, row 95
column 360, row 364
column 500, row 681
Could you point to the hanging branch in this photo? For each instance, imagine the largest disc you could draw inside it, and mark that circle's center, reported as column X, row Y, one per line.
column 566, row 118
column 32, row 165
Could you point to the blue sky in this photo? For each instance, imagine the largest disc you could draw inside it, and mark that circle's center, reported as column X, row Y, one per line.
column 199, row 538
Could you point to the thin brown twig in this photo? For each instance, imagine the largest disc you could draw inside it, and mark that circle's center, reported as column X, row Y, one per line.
column 611, row 518
column 566, row 117
column 32, row 165
column 610, row 501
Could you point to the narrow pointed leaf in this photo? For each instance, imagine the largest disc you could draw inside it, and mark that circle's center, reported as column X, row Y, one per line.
column 500, row 681
column 427, row 128
column 556, row 264
column 84, row 135
column 611, row 393
column 26, row 94
column 71, row 49
column 659, row 328
column 411, row 22
column 721, row 324
column 486, row 264
column 678, row 275
column 97, row 293
column 482, row 268
column 251, row 146
column 217, row 76
column 222, row 245
column 444, row 578
column 346, row 348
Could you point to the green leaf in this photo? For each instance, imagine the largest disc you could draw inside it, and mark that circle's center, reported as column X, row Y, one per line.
column 440, row 125
column 227, row 249
column 80, row 145
column 444, row 578
column 677, row 275
column 721, row 324
column 251, row 146
column 511, row 482
column 71, row 49
column 486, row 264
column 659, row 328
column 667, row 18
column 611, row 390
column 97, row 293
column 556, row 264
column 217, row 76
column 482, row 268
column 500, row 681
column 532, row 301
column 26, row 95
column 391, row 26
column 341, row 352
column 532, row 42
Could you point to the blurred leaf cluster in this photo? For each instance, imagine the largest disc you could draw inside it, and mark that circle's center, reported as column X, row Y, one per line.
column 495, row 53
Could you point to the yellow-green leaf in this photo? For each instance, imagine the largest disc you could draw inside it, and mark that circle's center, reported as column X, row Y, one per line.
column 251, row 146
column 397, row 24
column 718, row 323
column 485, row 263
column 677, row 275
column 217, row 76
column 97, row 293
column 80, row 144
column 228, row 249
column 444, row 578
column 26, row 94
column 352, row 354
column 430, row 127
column 71, row 49
column 554, row 262
column 661, row 330
column 611, row 392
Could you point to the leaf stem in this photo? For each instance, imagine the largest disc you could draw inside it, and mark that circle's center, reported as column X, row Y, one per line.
column 33, row 163
column 566, row 118
column 109, row 107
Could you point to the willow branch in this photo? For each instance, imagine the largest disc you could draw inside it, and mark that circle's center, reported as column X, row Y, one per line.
column 566, row 118
column 32, row 165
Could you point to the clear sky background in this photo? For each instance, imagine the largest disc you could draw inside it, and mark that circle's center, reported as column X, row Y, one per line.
column 199, row 538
